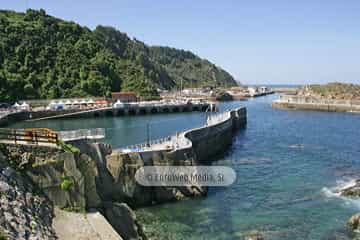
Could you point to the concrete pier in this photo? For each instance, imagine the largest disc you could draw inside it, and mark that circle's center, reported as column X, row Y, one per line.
column 129, row 109
column 135, row 109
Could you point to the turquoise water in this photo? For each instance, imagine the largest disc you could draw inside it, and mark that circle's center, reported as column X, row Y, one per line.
column 287, row 164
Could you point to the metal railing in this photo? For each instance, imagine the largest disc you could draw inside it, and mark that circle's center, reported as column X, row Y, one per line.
column 175, row 141
column 96, row 133
column 217, row 118
column 171, row 142
column 31, row 135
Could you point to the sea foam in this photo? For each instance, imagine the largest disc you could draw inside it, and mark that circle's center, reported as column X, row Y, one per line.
column 334, row 192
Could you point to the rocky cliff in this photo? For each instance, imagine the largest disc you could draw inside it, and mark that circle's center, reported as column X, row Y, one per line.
column 34, row 180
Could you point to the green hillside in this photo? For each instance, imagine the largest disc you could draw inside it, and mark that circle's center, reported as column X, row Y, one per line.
column 190, row 69
column 46, row 57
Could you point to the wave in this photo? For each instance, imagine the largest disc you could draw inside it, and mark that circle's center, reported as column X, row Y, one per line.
column 334, row 192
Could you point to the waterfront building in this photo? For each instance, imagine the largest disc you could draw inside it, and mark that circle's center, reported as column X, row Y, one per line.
column 124, row 97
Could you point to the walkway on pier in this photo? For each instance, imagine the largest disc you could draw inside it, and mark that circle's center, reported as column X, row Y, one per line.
column 47, row 137
column 173, row 142
column 136, row 109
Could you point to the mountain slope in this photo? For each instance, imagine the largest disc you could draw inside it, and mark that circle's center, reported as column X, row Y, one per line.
column 190, row 69
column 45, row 57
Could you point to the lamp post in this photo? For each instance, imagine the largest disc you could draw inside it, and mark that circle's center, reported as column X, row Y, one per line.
column 148, row 134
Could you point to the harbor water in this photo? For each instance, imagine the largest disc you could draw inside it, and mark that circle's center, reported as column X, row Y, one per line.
column 288, row 165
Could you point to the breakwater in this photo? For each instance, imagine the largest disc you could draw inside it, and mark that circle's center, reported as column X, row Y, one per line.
column 198, row 146
column 312, row 103
column 136, row 109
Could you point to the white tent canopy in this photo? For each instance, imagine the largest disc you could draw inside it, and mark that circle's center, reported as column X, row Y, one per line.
column 118, row 104
column 83, row 102
column 16, row 105
column 90, row 101
column 68, row 102
column 24, row 106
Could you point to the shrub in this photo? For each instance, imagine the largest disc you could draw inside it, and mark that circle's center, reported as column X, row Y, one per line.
column 68, row 147
column 66, row 183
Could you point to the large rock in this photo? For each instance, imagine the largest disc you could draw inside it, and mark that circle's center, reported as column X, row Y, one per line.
column 98, row 152
column 89, row 171
column 125, row 188
column 353, row 191
column 123, row 220
column 354, row 222
column 49, row 177
column 80, row 170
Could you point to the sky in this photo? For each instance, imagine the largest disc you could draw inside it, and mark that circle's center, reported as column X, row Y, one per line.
column 257, row 41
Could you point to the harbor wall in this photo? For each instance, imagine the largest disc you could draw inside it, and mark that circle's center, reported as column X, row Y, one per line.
column 128, row 109
column 311, row 103
column 202, row 147
column 27, row 115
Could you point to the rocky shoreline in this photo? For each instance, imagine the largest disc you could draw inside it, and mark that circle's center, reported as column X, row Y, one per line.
column 353, row 192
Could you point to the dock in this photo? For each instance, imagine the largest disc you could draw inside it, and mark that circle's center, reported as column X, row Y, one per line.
column 132, row 109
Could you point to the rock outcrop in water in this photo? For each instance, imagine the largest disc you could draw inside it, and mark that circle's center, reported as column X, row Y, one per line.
column 123, row 168
column 354, row 222
column 352, row 191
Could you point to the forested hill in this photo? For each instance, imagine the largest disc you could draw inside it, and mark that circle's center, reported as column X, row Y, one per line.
column 46, row 57
column 187, row 67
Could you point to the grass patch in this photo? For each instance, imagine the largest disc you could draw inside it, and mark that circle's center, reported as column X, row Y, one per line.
column 66, row 183
column 68, row 147
column 75, row 209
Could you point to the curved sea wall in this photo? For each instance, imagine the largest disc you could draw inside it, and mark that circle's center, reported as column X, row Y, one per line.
column 211, row 140
column 312, row 103
column 198, row 146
